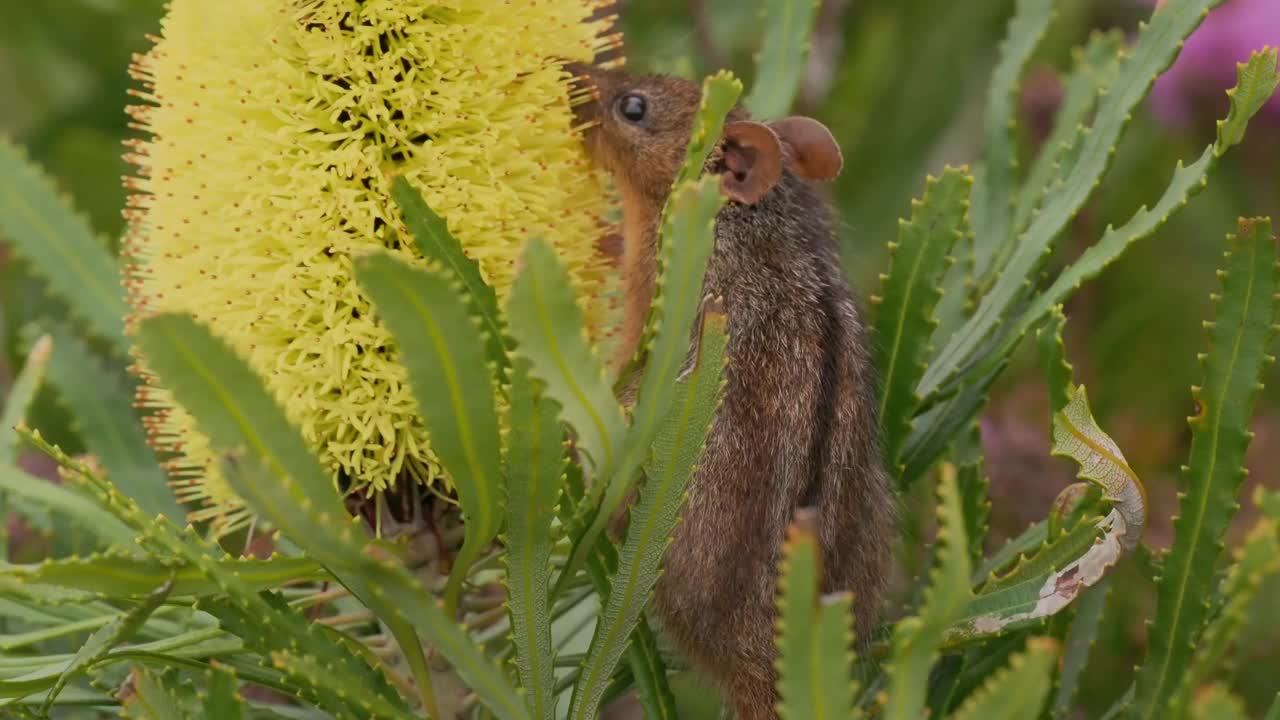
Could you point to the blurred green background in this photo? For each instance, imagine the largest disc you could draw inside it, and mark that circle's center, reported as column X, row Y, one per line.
column 902, row 83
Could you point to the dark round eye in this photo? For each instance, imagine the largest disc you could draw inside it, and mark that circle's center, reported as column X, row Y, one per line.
column 633, row 107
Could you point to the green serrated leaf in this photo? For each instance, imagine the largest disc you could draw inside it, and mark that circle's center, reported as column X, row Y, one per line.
column 907, row 297
column 222, row 699
column 1076, row 435
column 39, row 226
column 649, row 672
column 971, row 478
column 1156, row 47
column 292, row 636
column 31, row 682
column 106, row 499
column 121, row 576
column 22, row 391
column 1257, row 559
column 72, row 696
column 1096, row 67
column 719, row 94
column 916, row 638
column 1021, row 584
column 783, row 53
column 814, row 635
column 230, row 651
column 1053, row 358
column 21, row 394
column 995, row 181
column 155, row 696
column 644, row 661
column 319, row 673
column 934, row 429
column 39, row 492
column 108, row 425
column 47, row 605
column 14, row 641
column 1186, row 182
column 401, row 599
column 159, row 537
column 1041, row 586
column 434, row 241
column 535, row 472
column 234, row 410
column 384, row 585
column 957, row 677
column 676, row 448
column 643, row 658
column 1078, row 644
column 1256, row 82
column 444, row 353
column 690, row 239
column 104, row 640
column 959, row 282
column 1017, row 691
column 29, row 673
column 678, row 445
column 42, row 606
column 547, row 324
column 1239, row 338
column 281, row 481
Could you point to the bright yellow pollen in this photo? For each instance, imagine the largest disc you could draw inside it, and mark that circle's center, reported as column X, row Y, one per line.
column 275, row 127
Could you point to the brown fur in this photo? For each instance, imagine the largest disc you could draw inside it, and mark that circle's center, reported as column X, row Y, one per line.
column 797, row 427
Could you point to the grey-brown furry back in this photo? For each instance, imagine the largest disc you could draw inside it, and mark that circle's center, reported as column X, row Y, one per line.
column 798, row 427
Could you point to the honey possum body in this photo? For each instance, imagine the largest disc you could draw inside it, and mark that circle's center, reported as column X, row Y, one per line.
column 798, row 425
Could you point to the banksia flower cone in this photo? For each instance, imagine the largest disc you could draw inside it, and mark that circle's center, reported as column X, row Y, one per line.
column 275, row 128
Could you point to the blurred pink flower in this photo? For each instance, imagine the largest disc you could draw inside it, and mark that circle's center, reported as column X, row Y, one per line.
column 1206, row 67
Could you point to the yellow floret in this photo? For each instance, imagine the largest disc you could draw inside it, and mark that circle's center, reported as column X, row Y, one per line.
column 275, row 127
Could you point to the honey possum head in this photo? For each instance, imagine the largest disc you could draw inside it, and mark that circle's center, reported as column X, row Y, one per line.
column 638, row 126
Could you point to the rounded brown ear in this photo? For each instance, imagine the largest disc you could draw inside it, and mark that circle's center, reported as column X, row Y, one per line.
column 752, row 161
column 812, row 151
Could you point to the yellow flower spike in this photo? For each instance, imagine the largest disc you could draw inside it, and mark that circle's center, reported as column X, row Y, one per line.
column 275, row 127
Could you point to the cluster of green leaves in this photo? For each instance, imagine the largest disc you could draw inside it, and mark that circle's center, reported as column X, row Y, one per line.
column 960, row 294
column 1006, row 612
column 132, row 612
column 154, row 595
